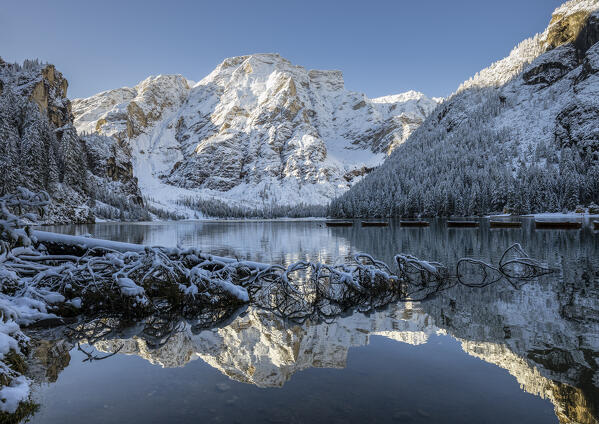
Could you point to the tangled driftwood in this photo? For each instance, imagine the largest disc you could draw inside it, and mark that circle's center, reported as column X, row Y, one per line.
column 100, row 276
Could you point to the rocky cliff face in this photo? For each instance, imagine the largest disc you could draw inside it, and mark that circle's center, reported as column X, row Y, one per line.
column 257, row 129
column 41, row 150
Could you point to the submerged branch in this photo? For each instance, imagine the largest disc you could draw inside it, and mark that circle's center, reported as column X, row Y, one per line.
column 90, row 357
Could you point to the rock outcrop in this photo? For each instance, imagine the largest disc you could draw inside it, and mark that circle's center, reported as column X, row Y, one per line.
column 551, row 66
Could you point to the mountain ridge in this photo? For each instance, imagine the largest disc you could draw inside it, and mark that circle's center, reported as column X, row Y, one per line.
column 518, row 137
column 257, row 130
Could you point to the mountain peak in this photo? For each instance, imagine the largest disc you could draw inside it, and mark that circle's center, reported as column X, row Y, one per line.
column 257, row 129
column 265, row 57
column 567, row 22
column 270, row 66
column 401, row 97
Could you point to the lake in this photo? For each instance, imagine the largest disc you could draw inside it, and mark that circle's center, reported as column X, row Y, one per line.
column 496, row 354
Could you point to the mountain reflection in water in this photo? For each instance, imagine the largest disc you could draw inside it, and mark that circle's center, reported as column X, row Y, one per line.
column 546, row 334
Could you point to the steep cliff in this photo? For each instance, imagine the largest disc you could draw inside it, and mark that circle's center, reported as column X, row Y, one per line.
column 41, row 150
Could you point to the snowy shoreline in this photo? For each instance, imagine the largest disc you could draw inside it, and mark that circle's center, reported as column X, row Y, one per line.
column 543, row 215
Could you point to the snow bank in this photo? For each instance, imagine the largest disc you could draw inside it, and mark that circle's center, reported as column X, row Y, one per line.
column 15, row 393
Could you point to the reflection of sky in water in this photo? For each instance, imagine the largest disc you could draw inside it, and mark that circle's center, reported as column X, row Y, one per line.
column 492, row 355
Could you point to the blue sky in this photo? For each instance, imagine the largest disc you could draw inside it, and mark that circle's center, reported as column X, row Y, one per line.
column 382, row 47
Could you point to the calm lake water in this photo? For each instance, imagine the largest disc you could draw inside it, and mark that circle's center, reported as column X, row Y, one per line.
column 492, row 355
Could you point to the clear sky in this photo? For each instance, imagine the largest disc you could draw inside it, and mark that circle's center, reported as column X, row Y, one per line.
column 382, row 47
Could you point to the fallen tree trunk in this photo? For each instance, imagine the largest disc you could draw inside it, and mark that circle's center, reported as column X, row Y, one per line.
column 79, row 245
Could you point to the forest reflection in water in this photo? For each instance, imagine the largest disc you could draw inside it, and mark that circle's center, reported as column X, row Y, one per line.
column 546, row 335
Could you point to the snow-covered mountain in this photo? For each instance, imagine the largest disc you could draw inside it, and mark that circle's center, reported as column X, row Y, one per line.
column 258, row 131
column 521, row 135
column 41, row 150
